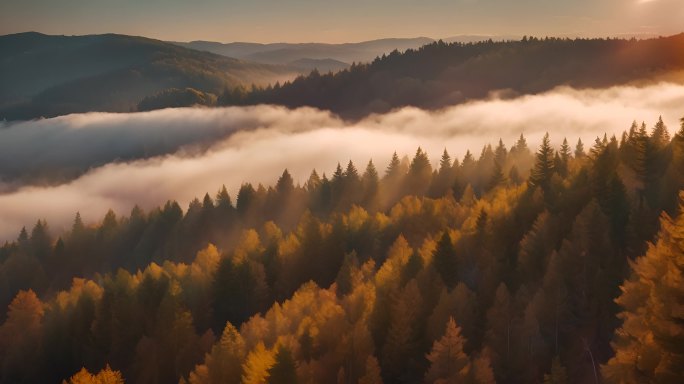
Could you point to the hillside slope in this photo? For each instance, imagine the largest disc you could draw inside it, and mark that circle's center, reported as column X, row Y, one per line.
column 45, row 75
column 285, row 53
column 441, row 74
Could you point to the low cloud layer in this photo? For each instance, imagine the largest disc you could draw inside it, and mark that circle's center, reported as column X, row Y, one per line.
column 256, row 143
column 63, row 148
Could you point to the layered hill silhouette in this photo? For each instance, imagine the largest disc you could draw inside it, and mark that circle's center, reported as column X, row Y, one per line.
column 320, row 56
column 441, row 74
column 43, row 75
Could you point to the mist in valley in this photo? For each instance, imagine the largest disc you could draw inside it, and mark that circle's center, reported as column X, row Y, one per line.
column 88, row 163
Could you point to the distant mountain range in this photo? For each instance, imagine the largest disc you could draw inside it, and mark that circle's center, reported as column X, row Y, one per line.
column 308, row 54
column 43, row 75
column 321, row 56
column 442, row 74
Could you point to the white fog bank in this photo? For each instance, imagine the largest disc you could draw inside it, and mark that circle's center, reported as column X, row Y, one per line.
column 255, row 144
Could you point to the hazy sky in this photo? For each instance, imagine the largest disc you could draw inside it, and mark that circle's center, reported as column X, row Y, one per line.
column 341, row 20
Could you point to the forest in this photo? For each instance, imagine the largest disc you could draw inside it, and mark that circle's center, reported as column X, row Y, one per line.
column 513, row 264
column 441, row 74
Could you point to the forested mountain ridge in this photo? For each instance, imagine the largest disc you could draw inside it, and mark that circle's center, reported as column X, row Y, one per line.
column 440, row 74
column 45, row 75
column 469, row 271
column 286, row 53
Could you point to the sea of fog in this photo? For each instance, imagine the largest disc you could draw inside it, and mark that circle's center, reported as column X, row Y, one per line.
column 119, row 160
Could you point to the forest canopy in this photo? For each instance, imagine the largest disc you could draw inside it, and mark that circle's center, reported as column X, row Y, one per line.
column 511, row 264
column 441, row 74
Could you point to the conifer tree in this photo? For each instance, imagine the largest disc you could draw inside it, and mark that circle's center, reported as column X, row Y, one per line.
column 257, row 365
column 497, row 177
column 648, row 346
column 284, row 370
column 393, row 169
column 444, row 259
column 224, row 363
column 285, row 184
column 579, row 149
column 543, row 166
column 371, row 187
column 419, row 175
column 448, row 362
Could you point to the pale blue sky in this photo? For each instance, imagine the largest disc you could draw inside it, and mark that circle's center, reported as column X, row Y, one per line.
column 341, row 20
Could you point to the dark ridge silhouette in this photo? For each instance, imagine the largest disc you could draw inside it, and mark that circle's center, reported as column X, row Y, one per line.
column 441, row 74
column 43, row 75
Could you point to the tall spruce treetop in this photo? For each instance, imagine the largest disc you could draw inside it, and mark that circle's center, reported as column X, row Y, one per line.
column 370, row 174
column 579, row 149
column 444, row 259
column 520, row 145
column 660, row 137
column 448, row 362
column 565, row 150
column 543, row 166
column 500, row 153
column 223, row 199
column 393, row 169
column 314, row 181
column 420, row 164
column 445, row 163
column 351, row 173
column 285, row 184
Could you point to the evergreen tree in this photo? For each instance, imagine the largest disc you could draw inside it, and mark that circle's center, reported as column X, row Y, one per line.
column 648, row 346
column 257, row 365
column 419, row 175
column 444, row 259
column 285, row 185
column 371, row 187
column 497, row 177
column 579, row 149
column 543, row 166
column 284, row 371
column 245, row 199
column 393, row 169
column 448, row 362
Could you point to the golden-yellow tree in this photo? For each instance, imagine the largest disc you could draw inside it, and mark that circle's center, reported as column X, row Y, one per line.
column 649, row 345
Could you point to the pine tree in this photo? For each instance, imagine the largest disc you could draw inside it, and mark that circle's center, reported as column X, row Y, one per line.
column 224, row 363
column 543, row 167
column 579, row 149
column 648, row 346
column 441, row 183
column 660, row 137
column 448, row 362
column 257, row 365
column 284, row 371
column 497, row 177
column 245, row 199
column 500, row 153
column 285, row 184
column 314, row 182
column 444, row 259
column 565, row 150
column 419, row 175
column 371, row 187
column 393, row 169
